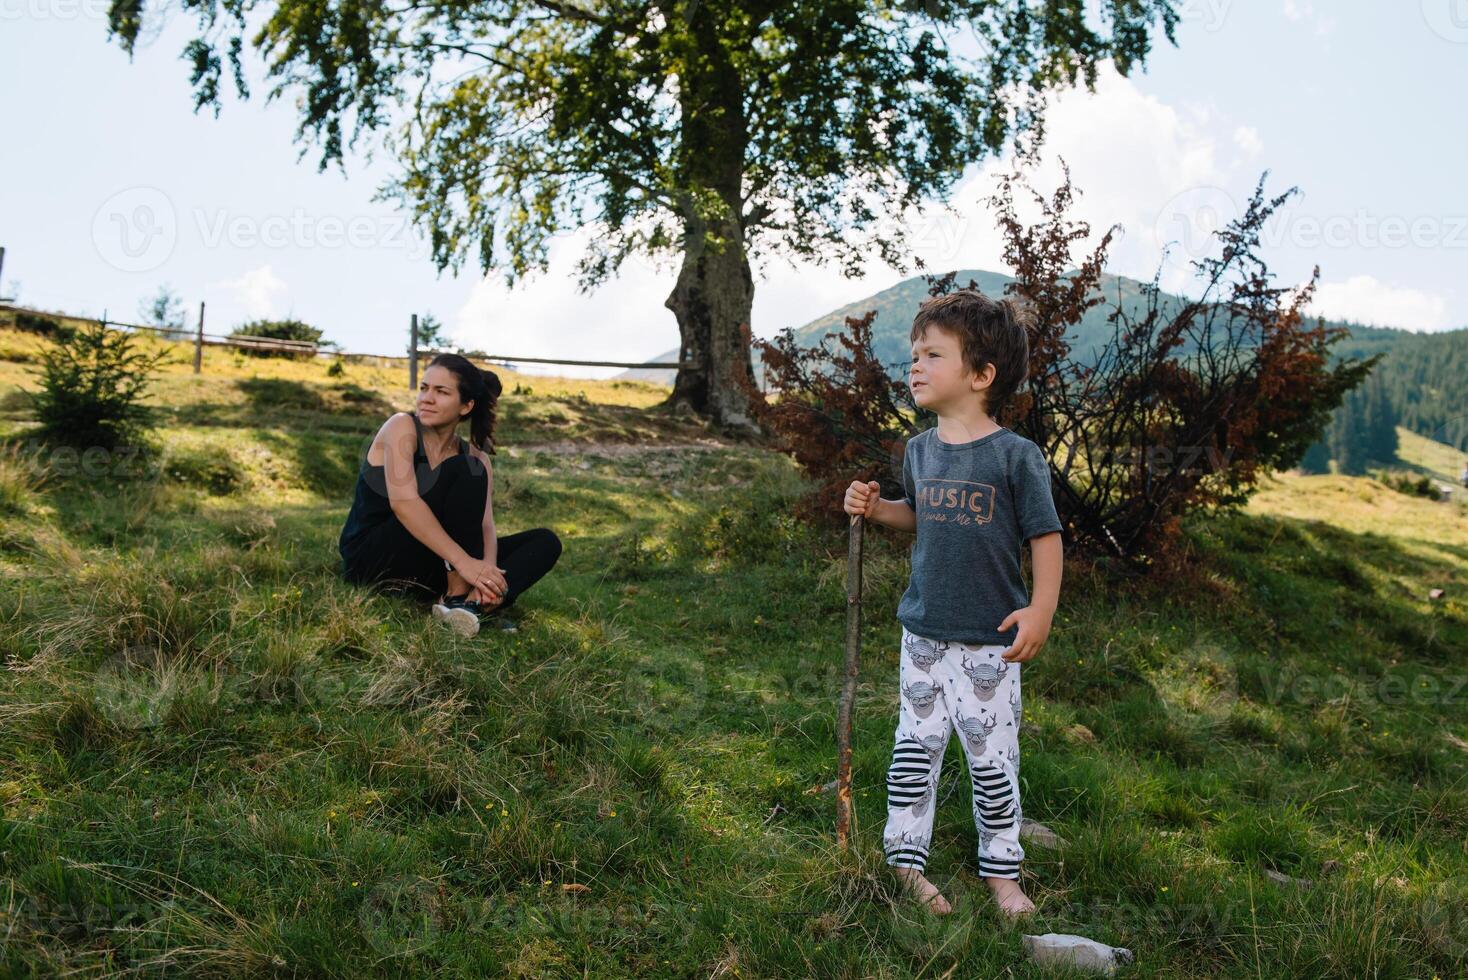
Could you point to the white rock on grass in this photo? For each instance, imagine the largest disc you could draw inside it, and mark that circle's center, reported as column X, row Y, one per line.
column 1035, row 832
column 1063, row 949
column 1285, row 880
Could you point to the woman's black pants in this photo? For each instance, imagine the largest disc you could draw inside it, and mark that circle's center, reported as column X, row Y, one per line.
column 390, row 557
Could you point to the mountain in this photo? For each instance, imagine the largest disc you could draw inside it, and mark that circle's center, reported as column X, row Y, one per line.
column 897, row 304
column 1424, row 375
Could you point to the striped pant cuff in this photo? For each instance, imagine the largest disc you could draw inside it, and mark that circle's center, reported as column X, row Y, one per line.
column 907, row 858
column 992, row 868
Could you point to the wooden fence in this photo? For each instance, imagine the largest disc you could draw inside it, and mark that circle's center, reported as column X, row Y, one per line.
column 200, row 340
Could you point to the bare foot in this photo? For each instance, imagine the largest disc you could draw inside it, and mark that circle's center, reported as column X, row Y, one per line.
column 1011, row 897
column 923, row 890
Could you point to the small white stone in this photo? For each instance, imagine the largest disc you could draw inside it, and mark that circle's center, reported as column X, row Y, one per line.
column 1038, row 833
column 1063, row 949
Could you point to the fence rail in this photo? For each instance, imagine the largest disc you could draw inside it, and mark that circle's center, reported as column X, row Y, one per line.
column 182, row 335
column 201, row 340
column 670, row 365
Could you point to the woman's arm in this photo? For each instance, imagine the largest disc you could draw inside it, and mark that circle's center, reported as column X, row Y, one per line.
column 399, row 439
column 489, row 597
column 491, row 537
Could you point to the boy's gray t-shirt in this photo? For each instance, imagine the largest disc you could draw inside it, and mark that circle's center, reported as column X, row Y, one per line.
column 976, row 503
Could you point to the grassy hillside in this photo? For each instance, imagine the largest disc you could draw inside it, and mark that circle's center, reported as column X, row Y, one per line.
column 218, row 759
column 1443, row 464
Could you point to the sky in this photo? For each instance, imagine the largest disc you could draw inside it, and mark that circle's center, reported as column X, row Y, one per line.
column 112, row 187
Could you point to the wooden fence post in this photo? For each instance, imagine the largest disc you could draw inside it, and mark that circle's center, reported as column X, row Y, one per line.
column 413, row 355
column 199, row 341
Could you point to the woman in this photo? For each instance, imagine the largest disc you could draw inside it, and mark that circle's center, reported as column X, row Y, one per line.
column 422, row 520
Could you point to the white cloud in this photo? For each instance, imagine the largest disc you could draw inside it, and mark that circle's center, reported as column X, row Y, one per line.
column 1365, row 299
column 255, row 292
column 1130, row 156
column 1298, row 13
column 1247, row 139
column 1143, row 164
column 545, row 315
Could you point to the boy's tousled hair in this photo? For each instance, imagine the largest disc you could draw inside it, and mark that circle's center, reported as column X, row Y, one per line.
column 989, row 331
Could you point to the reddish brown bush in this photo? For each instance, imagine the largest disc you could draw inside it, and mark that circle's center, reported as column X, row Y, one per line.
column 840, row 413
column 1182, row 409
column 1179, row 411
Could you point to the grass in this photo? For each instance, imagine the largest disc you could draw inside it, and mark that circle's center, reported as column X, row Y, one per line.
column 218, row 759
column 1430, row 458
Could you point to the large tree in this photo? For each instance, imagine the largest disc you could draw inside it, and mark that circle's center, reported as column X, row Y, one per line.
column 707, row 132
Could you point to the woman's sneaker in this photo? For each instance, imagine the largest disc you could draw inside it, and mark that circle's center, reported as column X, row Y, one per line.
column 458, row 613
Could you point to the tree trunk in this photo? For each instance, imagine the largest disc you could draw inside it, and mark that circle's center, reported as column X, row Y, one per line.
column 712, row 302
column 715, row 289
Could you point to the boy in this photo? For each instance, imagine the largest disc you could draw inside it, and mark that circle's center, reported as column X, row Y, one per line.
column 973, row 491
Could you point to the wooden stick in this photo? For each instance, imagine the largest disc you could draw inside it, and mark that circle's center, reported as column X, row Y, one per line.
column 848, row 681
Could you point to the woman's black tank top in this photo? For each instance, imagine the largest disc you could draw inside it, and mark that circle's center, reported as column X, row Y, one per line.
column 370, row 504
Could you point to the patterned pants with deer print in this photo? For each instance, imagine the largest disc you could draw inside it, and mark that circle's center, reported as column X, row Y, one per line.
column 948, row 685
